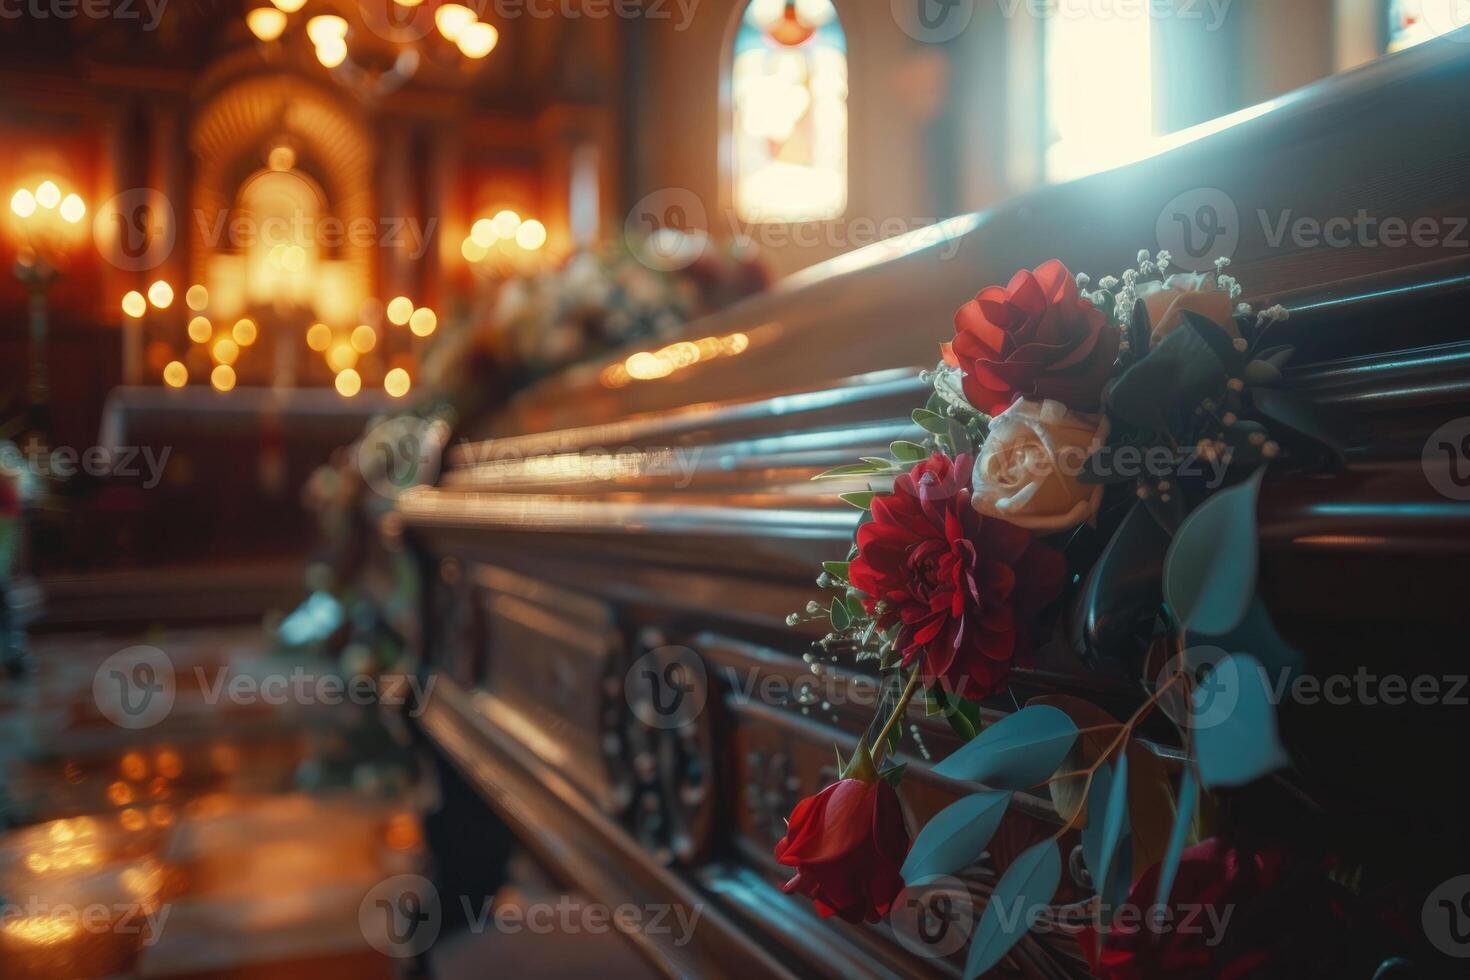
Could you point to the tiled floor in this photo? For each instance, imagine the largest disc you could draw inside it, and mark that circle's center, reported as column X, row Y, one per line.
column 189, row 848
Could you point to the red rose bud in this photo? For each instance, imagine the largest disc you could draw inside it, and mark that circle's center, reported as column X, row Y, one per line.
column 1035, row 337
column 847, row 844
column 964, row 589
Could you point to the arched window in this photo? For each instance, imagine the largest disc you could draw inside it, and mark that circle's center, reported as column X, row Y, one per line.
column 789, row 96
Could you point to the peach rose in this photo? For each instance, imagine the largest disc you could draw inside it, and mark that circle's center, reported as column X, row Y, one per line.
column 1167, row 302
column 1028, row 470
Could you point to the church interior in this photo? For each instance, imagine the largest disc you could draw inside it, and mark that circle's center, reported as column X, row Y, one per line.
column 464, row 467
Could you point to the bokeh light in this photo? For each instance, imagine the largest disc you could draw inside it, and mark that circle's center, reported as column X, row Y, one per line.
column 397, row 382
column 349, row 382
column 423, row 322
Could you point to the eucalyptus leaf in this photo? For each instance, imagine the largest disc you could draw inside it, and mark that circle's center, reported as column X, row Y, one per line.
column 1256, row 634
column 1114, row 827
column 1234, row 721
column 1019, row 751
column 1098, row 795
column 1019, row 898
column 1183, row 818
column 955, row 837
column 1210, row 571
column 1068, row 795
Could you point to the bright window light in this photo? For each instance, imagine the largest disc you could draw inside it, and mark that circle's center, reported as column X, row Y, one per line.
column 1099, row 92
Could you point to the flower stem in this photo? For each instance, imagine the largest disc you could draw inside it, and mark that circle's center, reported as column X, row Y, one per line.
column 898, row 713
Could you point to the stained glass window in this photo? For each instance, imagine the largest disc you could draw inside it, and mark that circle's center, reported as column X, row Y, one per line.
column 789, row 95
column 1414, row 21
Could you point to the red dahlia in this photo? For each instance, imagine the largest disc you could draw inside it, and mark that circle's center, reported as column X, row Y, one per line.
column 965, row 588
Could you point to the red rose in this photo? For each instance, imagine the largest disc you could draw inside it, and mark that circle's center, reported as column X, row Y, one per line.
column 1036, row 337
column 847, row 844
column 1214, row 881
column 965, row 588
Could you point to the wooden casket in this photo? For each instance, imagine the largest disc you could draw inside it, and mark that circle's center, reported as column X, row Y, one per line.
column 602, row 527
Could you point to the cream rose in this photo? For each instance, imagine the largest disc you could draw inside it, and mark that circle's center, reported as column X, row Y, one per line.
column 1169, row 300
column 1028, row 470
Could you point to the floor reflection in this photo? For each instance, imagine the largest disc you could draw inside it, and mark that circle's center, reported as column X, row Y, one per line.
column 227, row 840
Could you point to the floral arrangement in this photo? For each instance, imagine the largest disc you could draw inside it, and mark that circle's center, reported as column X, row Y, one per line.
column 1101, row 443
column 602, row 298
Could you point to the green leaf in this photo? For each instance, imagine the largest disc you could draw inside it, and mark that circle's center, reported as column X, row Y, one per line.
column 1178, row 374
column 837, row 569
column 1139, row 331
column 1291, row 412
column 1018, row 900
column 1183, row 818
column 1017, row 752
column 881, row 465
column 1234, row 722
column 838, row 614
column 907, row 452
column 1124, row 586
column 962, row 714
column 931, row 422
column 955, row 837
column 893, row 775
column 1219, row 340
column 1210, row 571
column 861, row 499
column 1259, row 373
column 845, row 472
